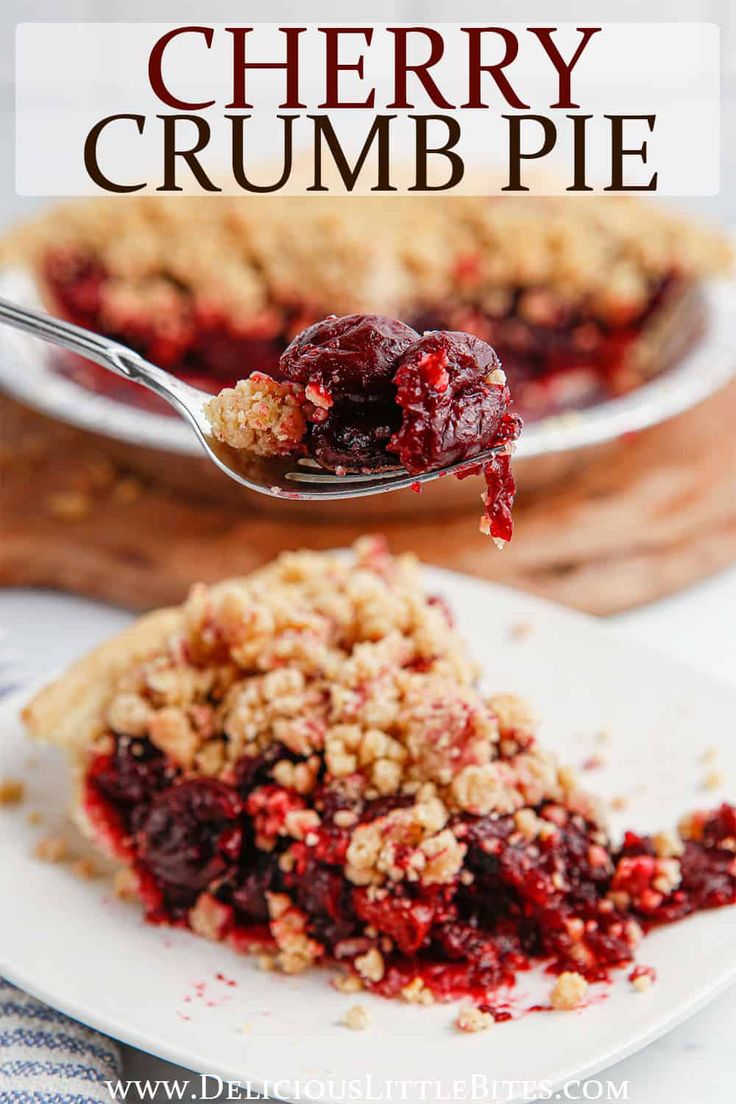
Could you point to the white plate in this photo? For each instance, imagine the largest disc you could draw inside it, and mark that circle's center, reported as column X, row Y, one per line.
column 76, row 946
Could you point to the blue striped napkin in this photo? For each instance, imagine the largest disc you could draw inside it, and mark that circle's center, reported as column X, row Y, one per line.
column 46, row 1058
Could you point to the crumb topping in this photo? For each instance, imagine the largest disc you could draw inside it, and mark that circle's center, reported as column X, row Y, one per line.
column 471, row 1019
column 568, row 992
column 259, row 415
column 342, row 662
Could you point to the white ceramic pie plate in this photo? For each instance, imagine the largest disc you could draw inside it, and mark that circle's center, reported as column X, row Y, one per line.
column 74, row 945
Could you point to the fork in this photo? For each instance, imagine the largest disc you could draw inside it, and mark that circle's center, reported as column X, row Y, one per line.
column 279, row 477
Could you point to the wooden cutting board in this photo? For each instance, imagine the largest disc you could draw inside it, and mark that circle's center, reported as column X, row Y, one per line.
column 656, row 516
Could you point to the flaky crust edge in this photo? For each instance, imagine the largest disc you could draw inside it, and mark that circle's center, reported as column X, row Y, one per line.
column 70, row 711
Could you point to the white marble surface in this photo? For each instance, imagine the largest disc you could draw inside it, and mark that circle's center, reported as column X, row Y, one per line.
column 694, row 1064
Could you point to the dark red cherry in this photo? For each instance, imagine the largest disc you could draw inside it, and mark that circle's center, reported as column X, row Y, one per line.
column 191, row 835
column 452, row 408
column 350, row 356
column 354, row 436
column 134, row 772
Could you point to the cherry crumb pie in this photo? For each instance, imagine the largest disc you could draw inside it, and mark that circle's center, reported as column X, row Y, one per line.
column 581, row 298
column 299, row 764
column 367, row 393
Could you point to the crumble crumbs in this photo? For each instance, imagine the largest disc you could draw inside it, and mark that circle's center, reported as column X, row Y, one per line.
column 259, row 415
column 357, row 1018
column 347, row 983
column 416, row 992
column 642, row 978
column 370, row 965
column 568, row 991
column 471, row 1019
column 125, row 885
column 713, row 780
column 208, row 917
column 619, row 802
column 297, row 952
column 12, row 791
column 34, row 817
column 52, row 849
column 667, row 845
column 84, row 868
column 521, row 630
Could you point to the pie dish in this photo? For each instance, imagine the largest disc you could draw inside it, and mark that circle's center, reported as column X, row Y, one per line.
column 300, row 764
column 367, row 393
column 582, row 299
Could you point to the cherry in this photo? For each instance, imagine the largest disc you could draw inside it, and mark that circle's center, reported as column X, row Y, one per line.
column 354, row 436
column 191, row 836
column 350, row 357
column 257, row 875
column 452, row 409
column 134, row 772
column 405, row 920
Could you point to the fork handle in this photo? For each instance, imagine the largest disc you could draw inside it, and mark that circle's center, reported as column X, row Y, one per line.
column 104, row 351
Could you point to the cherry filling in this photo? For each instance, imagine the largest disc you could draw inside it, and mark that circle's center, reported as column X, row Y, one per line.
column 355, row 436
column 191, row 836
column 562, row 897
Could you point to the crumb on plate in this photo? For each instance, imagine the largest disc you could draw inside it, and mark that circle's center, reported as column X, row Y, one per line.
column 642, row 978
column 357, row 1018
column 52, row 849
column 84, row 868
column 713, row 780
column 12, row 791
column 470, row 1019
column 568, row 991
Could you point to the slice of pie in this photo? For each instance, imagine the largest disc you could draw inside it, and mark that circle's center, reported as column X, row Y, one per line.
column 581, row 298
column 300, row 763
column 367, row 393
